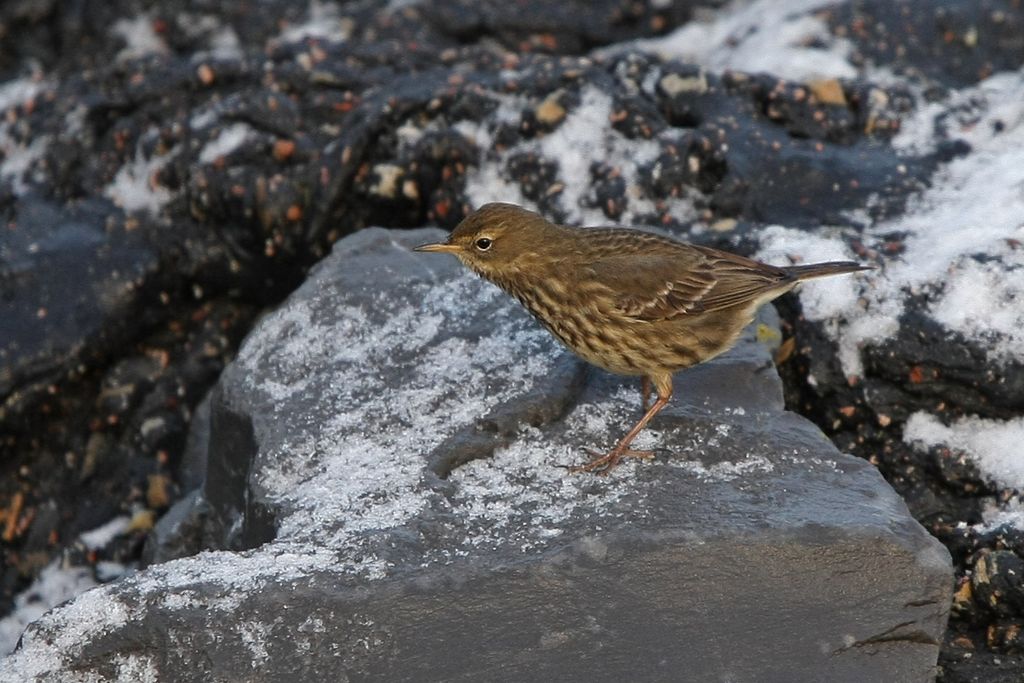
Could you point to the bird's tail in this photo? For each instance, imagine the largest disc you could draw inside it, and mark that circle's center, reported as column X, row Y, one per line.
column 826, row 269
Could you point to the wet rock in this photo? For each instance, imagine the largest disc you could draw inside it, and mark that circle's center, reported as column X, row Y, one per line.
column 388, row 447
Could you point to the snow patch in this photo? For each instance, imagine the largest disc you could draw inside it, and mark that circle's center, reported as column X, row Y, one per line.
column 54, row 585
column 104, row 534
column 17, row 92
column 996, row 446
column 584, row 138
column 141, row 39
column 227, row 141
column 324, row 22
column 782, row 39
column 17, row 157
column 135, row 187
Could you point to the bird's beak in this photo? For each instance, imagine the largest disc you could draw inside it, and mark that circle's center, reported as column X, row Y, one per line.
column 441, row 246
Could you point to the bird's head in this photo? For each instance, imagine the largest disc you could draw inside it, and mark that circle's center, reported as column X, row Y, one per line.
column 497, row 240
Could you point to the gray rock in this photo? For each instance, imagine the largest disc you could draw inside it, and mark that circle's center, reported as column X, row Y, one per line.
column 384, row 475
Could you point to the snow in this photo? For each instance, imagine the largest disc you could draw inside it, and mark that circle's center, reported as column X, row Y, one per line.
column 104, row 534
column 725, row 471
column 584, row 138
column 782, row 39
column 54, row 585
column 323, row 23
column 135, row 188
column 996, row 446
column 59, row 582
column 228, row 140
column 18, row 91
column 96, row 612
column 222, row 41
column 346, row 468
column 1009, row 514
column 959, row 249
column 140, row 37
column 16, row 158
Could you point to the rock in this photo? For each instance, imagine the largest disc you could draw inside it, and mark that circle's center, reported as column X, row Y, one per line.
column 952, row 43
column 384, row 463
column 998, row 582
column 72, row 276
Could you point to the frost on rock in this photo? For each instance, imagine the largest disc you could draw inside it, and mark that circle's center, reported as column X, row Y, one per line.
column 393, row 374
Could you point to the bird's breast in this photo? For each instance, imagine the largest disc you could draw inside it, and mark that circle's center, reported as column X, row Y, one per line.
column 587, row 326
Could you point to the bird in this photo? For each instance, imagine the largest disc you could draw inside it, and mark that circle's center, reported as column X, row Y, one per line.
column 629, row 301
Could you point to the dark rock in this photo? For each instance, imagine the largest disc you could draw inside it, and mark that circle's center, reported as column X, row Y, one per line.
column 180, row 532
column 71, row 275
column 998, row 582
column 926, row 364
column 371, row 541
column 953, row 43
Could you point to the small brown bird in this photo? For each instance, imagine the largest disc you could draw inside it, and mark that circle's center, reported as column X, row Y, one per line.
column 628, row 301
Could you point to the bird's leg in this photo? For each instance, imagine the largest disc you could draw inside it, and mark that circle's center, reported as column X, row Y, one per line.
column 607, row 462
column 645, row 392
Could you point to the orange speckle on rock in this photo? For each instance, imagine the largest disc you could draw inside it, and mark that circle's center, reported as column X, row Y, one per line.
column 283, row 149
column 916, row 374
column 206, row 74
column 13, row 513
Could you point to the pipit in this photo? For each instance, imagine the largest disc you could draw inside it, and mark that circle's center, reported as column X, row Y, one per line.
column 628, row 301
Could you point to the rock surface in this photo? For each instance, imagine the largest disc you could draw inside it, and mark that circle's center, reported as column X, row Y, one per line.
column 383, row 465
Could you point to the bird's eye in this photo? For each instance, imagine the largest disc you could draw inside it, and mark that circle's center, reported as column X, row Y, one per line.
column 483, row 244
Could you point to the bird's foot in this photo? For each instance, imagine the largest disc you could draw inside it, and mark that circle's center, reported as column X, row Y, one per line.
column 603, row 464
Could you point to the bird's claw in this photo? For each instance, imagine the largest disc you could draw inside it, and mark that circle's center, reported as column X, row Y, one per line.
column 603, row 464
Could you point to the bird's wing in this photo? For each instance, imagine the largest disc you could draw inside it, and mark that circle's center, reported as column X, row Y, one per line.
column 691, row 281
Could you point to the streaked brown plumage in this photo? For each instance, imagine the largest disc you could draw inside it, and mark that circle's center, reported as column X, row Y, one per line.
column 628, row 301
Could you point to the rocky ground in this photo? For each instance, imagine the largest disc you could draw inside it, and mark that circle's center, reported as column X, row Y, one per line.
column 169, row 171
